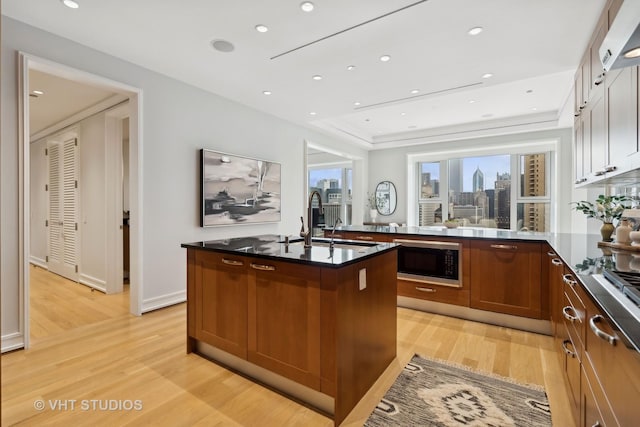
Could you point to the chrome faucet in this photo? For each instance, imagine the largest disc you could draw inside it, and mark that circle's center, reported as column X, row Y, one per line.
column 338, row 220
column 307, row 234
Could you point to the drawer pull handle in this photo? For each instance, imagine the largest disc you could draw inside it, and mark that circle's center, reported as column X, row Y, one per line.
column 571, row 318
column 421, row 289
column 556, row 261
column 232, row 262
column 566, row 350
column 599, row 332
column 551, row 254
column 597, row 424
column 263, row 267
column 510, row 247
column 364, row 238
column 568, row 279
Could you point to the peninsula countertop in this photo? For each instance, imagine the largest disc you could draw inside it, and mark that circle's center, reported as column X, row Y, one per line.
column 579, row 252
column 272, row 246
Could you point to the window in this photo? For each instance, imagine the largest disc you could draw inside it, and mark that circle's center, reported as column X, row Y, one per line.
column 478, row 191
column 335, row 188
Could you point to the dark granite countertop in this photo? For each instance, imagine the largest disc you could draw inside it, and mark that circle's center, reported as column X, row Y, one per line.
column 442, row 231
column 270, row 246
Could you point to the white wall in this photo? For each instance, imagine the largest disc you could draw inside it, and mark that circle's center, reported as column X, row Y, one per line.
column 177, row 121
column 391, row 164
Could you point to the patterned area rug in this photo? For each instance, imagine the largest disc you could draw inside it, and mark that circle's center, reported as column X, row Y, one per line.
column 430, row 393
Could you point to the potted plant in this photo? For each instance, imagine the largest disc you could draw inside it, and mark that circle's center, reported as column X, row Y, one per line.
column 606, row 209
column 373, row 202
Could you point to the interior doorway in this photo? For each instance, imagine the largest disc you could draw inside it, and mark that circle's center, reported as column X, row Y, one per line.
column 117, row 167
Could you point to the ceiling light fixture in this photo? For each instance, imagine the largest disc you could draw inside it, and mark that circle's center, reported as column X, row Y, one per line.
column 317, row 77
column 385, row 58
column 530, row 91
column 403, row 114
column 261, row 28
column 475, row 31
column 487, row 75
column 414, row 91
column 71, row 4
column 356, row 103
column 307, row 6
column 38, row 92
column 313, row 113
column 472, row 101
column 632, row 53
column 222, row 45
column 351, row 67
column 266, row 92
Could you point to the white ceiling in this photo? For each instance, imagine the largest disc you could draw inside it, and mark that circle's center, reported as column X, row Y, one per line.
column 527, row 45
column 61, row 99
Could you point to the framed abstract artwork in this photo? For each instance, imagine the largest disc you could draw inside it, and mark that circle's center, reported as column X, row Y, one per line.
column 238, row 190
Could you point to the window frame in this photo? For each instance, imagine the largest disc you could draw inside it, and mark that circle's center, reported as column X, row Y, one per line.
column 549, row 147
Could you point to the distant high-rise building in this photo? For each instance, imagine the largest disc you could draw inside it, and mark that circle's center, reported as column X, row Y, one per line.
column 478, row 180
column 502, row 200
column 534, row 215
column 455, row 176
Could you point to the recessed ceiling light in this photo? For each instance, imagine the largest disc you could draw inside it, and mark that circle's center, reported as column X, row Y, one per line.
column 71, row 4
column 38, row 92
column 487, row 75
column 385, row 58
column 266, row 92
column 367, row 120
column 317, row 77
column 472, row 101
column 312, row 113
column 475, row 31
column 534, row 109
column 356, row 103
column 403, row 114
column 633, row 53
column 414, row 91
column 351, row 67
column 222, row 45
column 307, row 6
column 530, row 91
column 261, row 28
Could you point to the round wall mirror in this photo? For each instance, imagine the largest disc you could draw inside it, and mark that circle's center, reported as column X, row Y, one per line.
column 386, row 198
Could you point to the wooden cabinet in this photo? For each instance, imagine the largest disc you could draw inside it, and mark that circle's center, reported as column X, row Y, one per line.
column 218, row 301
column 555, row 270
column 506, row 277
column 284, row 319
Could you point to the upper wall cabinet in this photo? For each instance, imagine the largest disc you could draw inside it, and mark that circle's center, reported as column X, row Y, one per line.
column 606, row 134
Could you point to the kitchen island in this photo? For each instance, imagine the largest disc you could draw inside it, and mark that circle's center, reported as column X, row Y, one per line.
column 316, row 323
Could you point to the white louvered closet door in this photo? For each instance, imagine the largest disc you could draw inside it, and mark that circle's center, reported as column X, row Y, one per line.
column 63, row 206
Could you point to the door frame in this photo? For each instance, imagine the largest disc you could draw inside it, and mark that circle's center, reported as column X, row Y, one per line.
column 25, row 63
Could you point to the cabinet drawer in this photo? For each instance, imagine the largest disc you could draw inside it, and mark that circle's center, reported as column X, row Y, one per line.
column 571, row 367
column 425, row 291
column 596, row 410
column 573, row 313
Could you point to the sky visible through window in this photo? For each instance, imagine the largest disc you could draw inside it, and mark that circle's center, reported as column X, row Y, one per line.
column 489, row 165
column 317, row 174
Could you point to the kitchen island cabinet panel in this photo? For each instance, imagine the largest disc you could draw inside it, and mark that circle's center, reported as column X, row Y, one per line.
column 506, row 277
column 284, row 320
column 220, row 287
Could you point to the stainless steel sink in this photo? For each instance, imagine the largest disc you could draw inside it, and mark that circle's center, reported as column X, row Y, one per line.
column 337, row 244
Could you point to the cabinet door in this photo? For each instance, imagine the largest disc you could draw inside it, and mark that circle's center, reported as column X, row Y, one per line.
column 284, row 320
column 622, row 116
column 578, row 159
column 598, row 135
column 220, row 302
column 596, row 68
column 505, row 277
column 571, row 368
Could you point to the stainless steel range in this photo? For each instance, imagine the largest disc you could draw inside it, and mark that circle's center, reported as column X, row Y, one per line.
column 624, row 287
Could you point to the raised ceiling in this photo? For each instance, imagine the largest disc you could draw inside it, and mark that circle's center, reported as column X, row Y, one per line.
column 531, row 48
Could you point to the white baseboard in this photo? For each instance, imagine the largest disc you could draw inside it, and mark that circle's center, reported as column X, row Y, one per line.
column 38, row 262
column 93, row 282
column 163, row 301
column 12, row 341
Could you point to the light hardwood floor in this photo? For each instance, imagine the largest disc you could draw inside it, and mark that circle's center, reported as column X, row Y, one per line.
column 89, row 351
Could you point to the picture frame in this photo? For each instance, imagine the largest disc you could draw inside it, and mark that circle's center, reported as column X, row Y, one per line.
column 238, row 190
